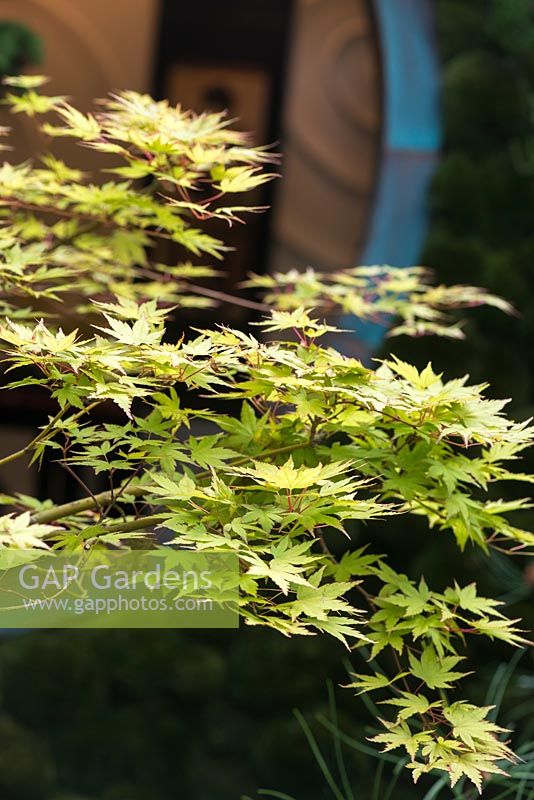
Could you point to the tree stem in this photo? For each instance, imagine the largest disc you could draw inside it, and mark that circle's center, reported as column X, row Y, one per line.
column 134, row 524
column 84, row 504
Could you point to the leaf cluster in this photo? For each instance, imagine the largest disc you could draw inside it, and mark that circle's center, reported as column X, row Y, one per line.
column 320, row 441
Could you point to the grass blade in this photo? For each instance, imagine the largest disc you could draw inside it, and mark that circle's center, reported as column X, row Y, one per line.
column 337, row 744
column 323, row 766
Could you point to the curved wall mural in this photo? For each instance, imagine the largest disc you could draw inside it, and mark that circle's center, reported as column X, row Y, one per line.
column 411, row 139
column 361, row 140
column 86, row 54
column 331, row 137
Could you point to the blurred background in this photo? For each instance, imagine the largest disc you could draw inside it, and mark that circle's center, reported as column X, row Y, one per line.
column 407, row 134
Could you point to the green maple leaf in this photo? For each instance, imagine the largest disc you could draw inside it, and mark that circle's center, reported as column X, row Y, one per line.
column 32, row 103
column 450, row 756
column 265, row 517
column 467, row 598
column 410, row 705
column 413, row 600
column 435, row 672
column 206, row 453
column 140, row 333
column 246, row 429
column 242, row 179
column 340, row 628
column 384, row 638
column 25, row 81
column 356, row 563
column 502, row 629
column 297, row 320
column 81, row 126
column 389, row 615
column 287, row 565
column 369, row 683
column 400, row 735
column 474, row 766
column 320, row 601
column 287, row 476
column 421, row 380
column 469, row 724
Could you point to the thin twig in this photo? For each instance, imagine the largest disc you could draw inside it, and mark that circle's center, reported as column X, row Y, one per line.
column 226, row 298
column 34, row 442
column 81, row 483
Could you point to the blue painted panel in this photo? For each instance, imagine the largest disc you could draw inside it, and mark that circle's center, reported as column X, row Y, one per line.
column 412, row 137
column 411, row 74
column 399, row 223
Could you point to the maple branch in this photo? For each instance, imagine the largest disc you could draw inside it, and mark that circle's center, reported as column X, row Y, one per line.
column 106, row 222
column 227, row 298
column 104, row 498
column 132, row 525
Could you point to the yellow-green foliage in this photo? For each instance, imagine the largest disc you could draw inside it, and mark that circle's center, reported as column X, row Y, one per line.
column 320, row 439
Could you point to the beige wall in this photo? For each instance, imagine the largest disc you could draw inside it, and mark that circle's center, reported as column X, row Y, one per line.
column 91, row 48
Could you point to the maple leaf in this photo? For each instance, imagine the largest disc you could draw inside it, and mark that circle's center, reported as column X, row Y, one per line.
column 473, row 765
column 287, row 476
column 406, row 430
column 17, row 530
column 413, row 600
column 469, row 723
column 139, row 333
column 369, row 683
column 320, row 601
column 206, row 452
column 503, row 629
column 435, row 672
column 468, row 599
column 400, row 735
column 410, row 705
column 340, row 628
column 287, row 565
column 297, row 320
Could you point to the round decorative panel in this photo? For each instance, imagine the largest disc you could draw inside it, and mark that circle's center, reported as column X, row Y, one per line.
column 332, row 136
column 86, row 55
